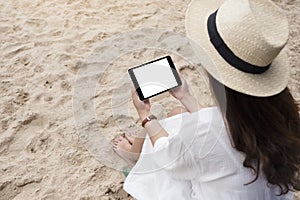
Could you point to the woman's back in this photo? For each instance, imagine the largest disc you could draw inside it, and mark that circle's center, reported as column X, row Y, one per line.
column 205, row 167
column 223, row 175
column 266, row 130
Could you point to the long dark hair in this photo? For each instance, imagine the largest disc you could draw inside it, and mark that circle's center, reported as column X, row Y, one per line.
column 266, row 130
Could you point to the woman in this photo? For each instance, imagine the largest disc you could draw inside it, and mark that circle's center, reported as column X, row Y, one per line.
column 248, row 146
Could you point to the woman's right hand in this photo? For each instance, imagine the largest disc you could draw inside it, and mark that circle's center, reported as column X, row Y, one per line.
column 180, row 91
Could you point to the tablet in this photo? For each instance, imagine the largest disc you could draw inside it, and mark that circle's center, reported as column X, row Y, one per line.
column 154, row 77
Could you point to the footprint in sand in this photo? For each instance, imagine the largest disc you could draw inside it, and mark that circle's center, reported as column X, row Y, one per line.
column 65, row 86
column 21, row 97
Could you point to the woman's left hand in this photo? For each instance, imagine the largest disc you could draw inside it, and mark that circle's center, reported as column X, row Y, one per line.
column 142, row 107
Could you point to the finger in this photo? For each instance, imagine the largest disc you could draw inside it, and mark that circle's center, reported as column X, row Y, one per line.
column 147, row 104
column 174, row 90
column 147, row 101
column 171, row 92
column 132, row 89
column 134, row 95
column 180, row 74
column 181, row 77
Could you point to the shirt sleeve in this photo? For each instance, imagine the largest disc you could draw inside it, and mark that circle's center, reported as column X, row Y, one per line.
column 175, row 153
column 161, row 143
column 176, row 159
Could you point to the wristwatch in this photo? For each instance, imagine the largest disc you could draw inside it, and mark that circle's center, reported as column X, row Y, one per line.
column 148, row 119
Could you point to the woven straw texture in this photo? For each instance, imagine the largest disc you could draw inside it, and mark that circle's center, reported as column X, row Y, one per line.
column 256, row 31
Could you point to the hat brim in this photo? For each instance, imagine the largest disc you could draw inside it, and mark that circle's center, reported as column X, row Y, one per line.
column 269, row 83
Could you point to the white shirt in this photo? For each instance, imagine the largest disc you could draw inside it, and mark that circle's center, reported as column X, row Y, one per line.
column 196, row 161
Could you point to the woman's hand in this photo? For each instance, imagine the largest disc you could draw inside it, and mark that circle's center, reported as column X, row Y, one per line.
column 181, row 91
column 142, row 107
column 183, row 94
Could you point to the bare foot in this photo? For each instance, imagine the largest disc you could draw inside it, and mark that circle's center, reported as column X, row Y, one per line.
column 123, row 148
column 122, row 144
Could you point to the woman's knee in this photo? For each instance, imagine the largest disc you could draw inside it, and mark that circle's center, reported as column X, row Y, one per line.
column 177, row 110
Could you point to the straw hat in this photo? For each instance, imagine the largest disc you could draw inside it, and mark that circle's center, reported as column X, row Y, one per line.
column 243, row 39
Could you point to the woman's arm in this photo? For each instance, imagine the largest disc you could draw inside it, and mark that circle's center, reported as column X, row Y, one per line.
column 190, row 103
column 153, row 127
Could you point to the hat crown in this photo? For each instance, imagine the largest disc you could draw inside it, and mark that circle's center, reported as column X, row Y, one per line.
column 254, row 30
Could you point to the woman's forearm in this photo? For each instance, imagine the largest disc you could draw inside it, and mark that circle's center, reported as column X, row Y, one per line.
column 153, row 128
column 190, row 103
column 155, row 131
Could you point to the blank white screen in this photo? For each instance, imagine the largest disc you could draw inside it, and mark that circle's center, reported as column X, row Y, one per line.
column 155, row 77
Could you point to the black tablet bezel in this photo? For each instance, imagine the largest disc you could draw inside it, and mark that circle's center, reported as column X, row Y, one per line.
column 136, row 85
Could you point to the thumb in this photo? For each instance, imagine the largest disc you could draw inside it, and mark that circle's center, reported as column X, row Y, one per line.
column 147, row 102
column 133, row 92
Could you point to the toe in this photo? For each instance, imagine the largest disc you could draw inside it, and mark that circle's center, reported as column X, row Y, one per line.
column 120, row 138
column 116, row 140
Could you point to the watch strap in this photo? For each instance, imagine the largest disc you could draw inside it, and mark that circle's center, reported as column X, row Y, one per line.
column 148, row 119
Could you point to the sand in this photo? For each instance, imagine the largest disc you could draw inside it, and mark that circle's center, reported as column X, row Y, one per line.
column 46, row 48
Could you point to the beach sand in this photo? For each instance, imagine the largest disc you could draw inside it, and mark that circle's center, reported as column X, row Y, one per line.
column 44, row 153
